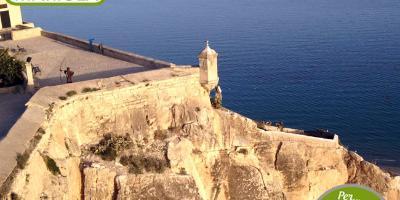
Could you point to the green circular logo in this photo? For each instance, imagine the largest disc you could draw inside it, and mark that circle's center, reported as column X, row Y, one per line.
column 350, row 192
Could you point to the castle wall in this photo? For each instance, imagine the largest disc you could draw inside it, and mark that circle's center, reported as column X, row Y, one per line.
column 314, row 141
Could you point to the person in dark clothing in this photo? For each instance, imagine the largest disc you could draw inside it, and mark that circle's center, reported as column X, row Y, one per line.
column 101, row 48
column 68, row 73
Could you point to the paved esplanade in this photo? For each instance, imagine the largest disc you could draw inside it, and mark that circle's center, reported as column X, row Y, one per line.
column 52, row 55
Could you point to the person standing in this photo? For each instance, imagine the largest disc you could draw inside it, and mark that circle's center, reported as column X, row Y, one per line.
column 69, row 73
column 101, row 48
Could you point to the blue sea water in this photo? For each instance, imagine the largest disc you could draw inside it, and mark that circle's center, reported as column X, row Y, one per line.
column 311, row 63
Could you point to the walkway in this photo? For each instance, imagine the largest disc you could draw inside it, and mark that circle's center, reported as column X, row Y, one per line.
column 50, row 55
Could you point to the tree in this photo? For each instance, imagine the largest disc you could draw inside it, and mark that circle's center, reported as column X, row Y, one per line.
column 10, row 69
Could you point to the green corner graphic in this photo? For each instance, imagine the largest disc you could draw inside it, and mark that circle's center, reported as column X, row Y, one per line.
column 350, row 192
column 47, row 3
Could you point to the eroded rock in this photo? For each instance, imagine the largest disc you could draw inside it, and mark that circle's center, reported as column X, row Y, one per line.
column 166, row 141
column 156, row 186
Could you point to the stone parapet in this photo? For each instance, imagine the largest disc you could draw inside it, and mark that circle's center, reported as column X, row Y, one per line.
column 25, row 33
column 308, row 140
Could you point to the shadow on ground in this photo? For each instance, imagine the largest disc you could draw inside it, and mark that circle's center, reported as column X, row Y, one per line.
column 51, row 81
column 11, row 108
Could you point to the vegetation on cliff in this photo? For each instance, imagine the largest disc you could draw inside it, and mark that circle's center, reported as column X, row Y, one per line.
column 138, row 156
column 10, row 69
column 110, row 146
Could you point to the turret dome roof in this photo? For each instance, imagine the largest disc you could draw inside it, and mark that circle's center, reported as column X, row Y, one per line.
column 207, row 51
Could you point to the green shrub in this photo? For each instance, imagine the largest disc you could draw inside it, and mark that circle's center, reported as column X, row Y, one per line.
column 134, row 164
column 27, row 178
column 41, row 131
column 243, row 151
column 71, row 93
column 10, row 69
column 62, row 98
column 160, row 134
column 173, row 129
column 66, row 145
column 49, row 110
column 137, row 164
column 174, row 74
column 87, row 89
column 197, row 151
column 15, row 196
column 110, row 146
column 182, row 171
column 51, row 165
column 22, row 159
column 37, row 138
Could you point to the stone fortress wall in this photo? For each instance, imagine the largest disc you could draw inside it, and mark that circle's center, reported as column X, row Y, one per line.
column 314, row 141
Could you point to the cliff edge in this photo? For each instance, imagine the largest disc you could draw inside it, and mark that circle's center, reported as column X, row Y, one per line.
column 155, row 135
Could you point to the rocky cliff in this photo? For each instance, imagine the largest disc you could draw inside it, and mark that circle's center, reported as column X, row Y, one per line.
column 162, row 139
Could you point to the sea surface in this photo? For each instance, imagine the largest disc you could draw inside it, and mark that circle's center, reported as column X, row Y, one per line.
column 311, row 63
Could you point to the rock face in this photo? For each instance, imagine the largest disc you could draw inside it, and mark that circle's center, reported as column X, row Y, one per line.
column 156, row 186
column 164, row 140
